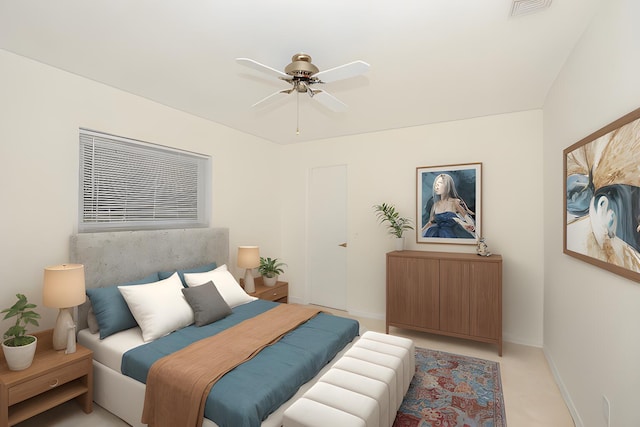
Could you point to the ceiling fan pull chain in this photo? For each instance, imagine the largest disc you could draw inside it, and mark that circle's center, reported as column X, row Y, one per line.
column 297, row 113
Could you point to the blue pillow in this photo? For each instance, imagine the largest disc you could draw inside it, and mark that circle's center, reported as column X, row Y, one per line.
column 202, row 269
column 111, row 310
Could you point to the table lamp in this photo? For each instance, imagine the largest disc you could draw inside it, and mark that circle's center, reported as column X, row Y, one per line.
column 248, row 257
column 64, row 289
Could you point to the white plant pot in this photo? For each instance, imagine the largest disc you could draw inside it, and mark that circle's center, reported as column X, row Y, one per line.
column 269, row 281
column 19, row 358
column 399, row 241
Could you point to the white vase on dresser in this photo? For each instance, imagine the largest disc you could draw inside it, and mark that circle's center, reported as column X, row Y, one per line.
column 399, row 242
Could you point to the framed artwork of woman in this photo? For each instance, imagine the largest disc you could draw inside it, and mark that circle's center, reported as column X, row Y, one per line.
column 449, row 203
column 602, row 197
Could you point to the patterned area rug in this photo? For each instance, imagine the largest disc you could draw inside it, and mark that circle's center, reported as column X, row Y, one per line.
column 450, row 390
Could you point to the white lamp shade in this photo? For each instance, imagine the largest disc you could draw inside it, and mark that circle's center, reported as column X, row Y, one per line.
column 248, row 256
column 63, row 286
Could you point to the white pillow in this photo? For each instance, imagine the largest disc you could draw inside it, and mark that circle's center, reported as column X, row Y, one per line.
column 159, row 307
column 229, row 288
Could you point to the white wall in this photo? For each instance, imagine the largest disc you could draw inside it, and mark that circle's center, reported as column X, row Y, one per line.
column 591, row 316
column 41, row 109
column 382, row 168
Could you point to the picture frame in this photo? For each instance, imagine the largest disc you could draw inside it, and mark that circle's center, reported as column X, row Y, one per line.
column 454, row 216
column 602, row 197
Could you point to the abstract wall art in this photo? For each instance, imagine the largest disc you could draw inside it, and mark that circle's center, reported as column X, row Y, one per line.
column 602, row 197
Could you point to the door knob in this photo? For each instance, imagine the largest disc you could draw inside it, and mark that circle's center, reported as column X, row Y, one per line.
column 344, row 245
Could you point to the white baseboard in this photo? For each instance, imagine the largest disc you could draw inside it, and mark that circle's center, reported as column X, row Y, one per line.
column 563, row 390
column 506, row 337
column 296, row 300
column 366, row 315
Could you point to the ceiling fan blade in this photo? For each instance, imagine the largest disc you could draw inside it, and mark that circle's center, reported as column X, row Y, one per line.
column 352, row 69
column 271, row 97
column 261, row 67
column 329, row 101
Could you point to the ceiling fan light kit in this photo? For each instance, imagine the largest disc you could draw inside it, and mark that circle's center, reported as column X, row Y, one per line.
column 302, row 75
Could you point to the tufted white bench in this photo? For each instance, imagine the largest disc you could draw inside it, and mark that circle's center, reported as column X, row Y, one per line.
column 364, row 388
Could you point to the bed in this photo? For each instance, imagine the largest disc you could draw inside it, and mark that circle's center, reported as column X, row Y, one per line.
column 131, row 258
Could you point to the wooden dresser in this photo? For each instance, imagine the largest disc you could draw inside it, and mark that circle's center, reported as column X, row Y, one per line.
column 446, row 293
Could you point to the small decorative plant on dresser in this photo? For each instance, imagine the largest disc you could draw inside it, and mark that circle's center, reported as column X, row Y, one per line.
column 396, row 225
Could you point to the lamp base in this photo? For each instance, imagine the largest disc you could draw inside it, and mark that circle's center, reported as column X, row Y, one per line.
column 249, row 285
column 64, row 322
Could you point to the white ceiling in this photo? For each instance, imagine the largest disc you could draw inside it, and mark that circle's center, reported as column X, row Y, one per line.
column 431, row 60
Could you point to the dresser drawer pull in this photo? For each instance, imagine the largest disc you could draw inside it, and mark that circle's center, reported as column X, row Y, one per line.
column 54, row 384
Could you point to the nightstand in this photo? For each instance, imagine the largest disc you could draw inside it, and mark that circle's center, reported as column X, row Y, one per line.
column 278, row 292
column 52, row 379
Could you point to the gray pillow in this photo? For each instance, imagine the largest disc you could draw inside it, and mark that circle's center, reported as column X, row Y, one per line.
column 207, row 303
column 92, row 321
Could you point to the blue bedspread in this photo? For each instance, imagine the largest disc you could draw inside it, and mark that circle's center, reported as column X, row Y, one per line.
column 245, row 396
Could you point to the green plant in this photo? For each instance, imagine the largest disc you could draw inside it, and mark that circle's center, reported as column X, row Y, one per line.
column 270, row 267
column 22, row 310
column 397, row 224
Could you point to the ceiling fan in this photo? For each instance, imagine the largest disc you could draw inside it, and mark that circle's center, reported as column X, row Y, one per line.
column 302, row 75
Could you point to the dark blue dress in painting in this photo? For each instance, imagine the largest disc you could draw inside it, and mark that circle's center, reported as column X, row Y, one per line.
column 445, row 225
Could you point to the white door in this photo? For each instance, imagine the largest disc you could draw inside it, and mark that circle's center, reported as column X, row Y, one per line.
column 328, row 236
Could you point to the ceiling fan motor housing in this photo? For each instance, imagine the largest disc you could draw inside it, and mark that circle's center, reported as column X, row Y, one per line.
column 301, row 66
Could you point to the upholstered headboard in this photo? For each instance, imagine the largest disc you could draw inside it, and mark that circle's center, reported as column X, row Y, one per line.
column 116, row 257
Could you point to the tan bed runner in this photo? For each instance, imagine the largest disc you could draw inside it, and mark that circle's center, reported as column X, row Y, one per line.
column 178, row 384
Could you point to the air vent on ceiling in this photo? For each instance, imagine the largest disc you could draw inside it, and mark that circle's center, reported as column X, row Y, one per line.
column 523, row 7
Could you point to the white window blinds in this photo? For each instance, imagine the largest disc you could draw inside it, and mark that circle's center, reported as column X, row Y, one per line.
column 131, row 185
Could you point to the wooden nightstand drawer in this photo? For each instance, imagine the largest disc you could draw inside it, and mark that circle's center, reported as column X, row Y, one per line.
column 53, row 378
column 274, row 294
column 279, row 292
column 47, row 382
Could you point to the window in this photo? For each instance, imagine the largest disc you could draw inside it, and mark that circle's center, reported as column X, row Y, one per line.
column 132, row 185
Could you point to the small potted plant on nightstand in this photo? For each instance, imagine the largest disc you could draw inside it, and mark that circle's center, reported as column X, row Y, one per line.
column 270, row 269
column 18, row 347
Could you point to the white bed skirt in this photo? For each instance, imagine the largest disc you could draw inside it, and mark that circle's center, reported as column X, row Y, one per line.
column 124, row 396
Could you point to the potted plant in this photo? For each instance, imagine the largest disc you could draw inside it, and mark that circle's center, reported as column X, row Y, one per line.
column 270, row 269
column 396, row 224
column 18, row 347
